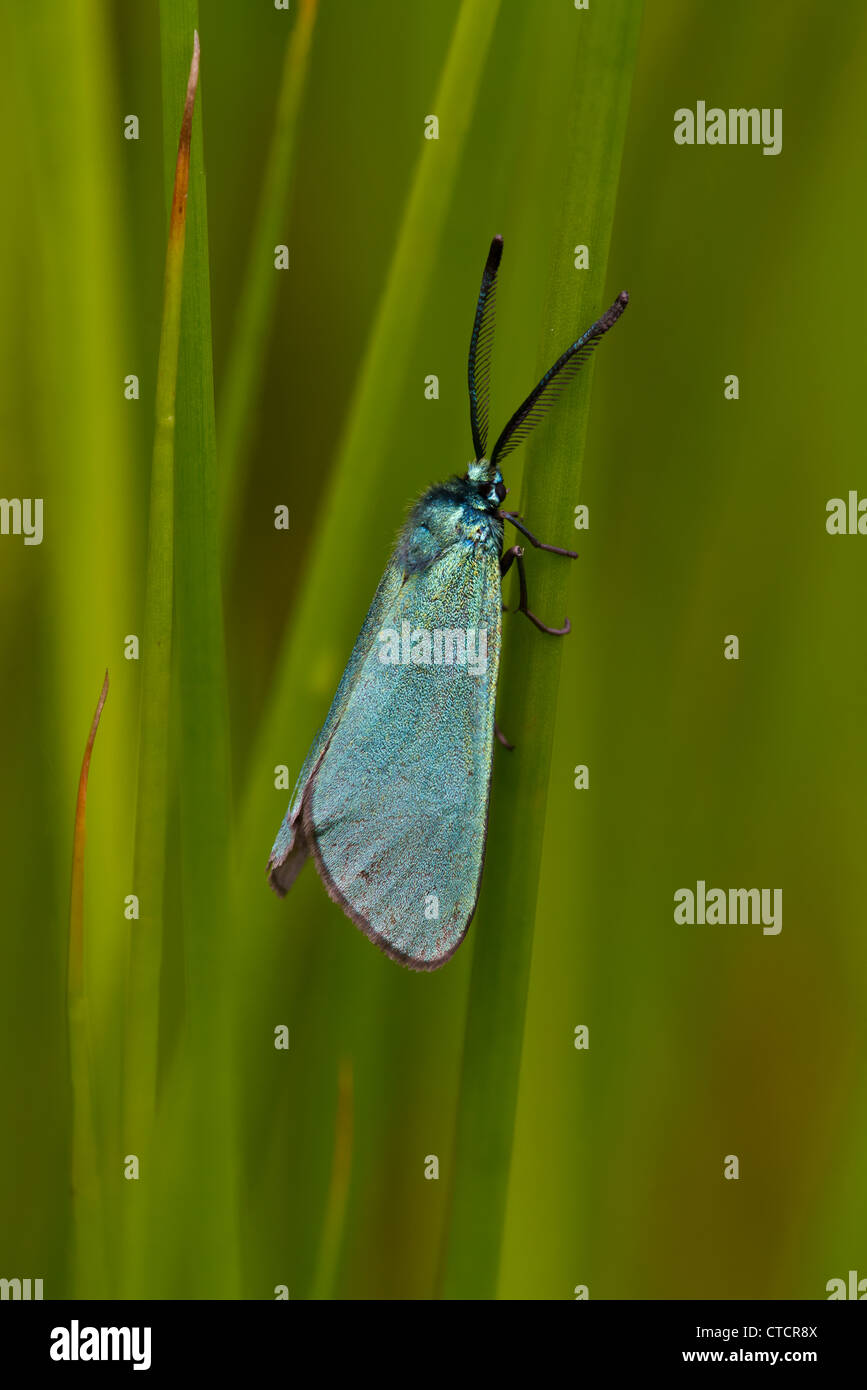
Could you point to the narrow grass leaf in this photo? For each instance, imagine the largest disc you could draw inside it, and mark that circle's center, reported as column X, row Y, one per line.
column 321, row 630
column 256, row 303
column 604, row 60
column 208, row 1223
column 338, row 1189
column 87, row 1186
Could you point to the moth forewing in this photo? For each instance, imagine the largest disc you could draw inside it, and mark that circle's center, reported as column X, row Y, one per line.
column 395, row 812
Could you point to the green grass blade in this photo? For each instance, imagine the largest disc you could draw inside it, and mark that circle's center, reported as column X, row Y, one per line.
column 605, row 53
column 207, row 1222
column 143, row 1004
column 256, row 304
column 62, row 359
column 338, row 1190
column 87, row 1188
column 342, row 554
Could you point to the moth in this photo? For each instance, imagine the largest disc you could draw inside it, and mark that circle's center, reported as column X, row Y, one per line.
column 392, row 800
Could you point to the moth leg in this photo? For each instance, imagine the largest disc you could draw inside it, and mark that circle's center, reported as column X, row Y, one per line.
column 515, row 518
column 502, row 737
column 508, row 558
column 516, row 552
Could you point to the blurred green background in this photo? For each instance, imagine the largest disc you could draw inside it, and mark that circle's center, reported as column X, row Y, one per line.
column 707, row 517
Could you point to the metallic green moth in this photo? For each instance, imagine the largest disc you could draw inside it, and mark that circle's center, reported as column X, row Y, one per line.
column 392, row 800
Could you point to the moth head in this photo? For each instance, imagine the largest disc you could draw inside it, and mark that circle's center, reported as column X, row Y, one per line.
column 487, row 480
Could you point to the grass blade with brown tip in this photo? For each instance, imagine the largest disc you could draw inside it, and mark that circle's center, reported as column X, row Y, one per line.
column 143, row 1002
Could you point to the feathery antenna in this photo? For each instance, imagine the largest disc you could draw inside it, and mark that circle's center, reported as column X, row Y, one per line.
column 479, row 368
column 543, row 396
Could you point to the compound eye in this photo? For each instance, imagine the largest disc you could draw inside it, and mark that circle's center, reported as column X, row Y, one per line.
column 500, row 489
